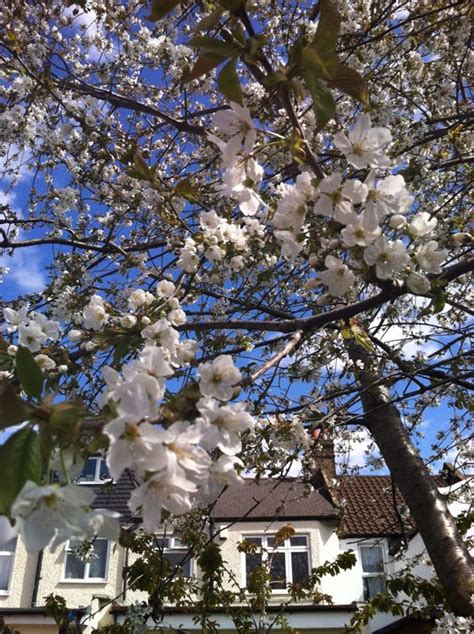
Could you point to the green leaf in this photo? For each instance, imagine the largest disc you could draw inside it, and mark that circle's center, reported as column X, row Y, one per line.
column 208, row 21
column 323, row 67
column 351, row 83
column 140, row 164
column 20, row 460
column 13, row 410
column 29, row 374
column 205, row 63
column 160, row 8
column 327, row 32
column 211, row 45
column 45, row 442
column 229, row 84
column 324, row 105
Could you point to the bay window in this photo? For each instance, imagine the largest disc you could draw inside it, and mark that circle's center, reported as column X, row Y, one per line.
column 288, row 562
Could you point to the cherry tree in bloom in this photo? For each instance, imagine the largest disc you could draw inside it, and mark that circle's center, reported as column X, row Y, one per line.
column 220, row 227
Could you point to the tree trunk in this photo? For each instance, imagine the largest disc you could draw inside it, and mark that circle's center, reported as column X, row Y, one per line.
column 446, row 548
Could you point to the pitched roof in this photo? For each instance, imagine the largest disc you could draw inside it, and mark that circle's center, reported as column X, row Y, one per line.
column 114, row 496
column 370, row 506
column 272, row 499
column 373, row 506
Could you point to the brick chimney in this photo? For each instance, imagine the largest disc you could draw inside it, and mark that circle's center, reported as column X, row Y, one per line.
column 323, row 453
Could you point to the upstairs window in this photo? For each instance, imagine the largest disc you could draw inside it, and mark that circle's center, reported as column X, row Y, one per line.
column 373, row 570
column 289, row 563
column 92, row 568
column 7, row 555
column 176, row 554
column 95, row 471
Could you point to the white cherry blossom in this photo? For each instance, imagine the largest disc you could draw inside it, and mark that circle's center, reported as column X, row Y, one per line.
column 139, row 446
column 182, row 451
column 290, row 243
column 383, row 198
column 418, row 284
column 94, row 314
column 31, row 336
column 165, row 288
column 237, row 123
column 162, row 491
column 356, row 234
column 430, row 258
column 218, row 378
column 388, row 257
column 338, row 277
column 15, row 317
column 422, row 224
column 221, row 426
column 336, row 200
column 139, row 298
column 364, row 146
column 54, row 514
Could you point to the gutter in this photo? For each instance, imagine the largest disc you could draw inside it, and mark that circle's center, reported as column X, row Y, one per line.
column 39, row 563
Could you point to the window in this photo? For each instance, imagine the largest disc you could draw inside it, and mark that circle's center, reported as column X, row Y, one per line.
column 289, row 562
column 176, row 554
column 373, row 573
column 7, row 554
column 95, row 471
column 91, row 568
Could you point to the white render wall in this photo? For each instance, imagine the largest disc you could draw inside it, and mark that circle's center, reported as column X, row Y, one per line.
column 324, row 544
column 79, row 593
column 22, row 579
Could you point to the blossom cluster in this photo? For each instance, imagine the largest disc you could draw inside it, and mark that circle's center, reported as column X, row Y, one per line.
column 179, row 464
column 188, row 461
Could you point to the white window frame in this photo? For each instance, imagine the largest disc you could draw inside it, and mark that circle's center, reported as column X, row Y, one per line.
column 86, row 579
column 11, row 555
column 97, row 479
column 175, row 548
column 287, row 549
column 382, row 574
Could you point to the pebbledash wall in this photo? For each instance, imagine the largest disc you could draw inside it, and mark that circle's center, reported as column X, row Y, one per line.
column 20, row 608
column 324, row 545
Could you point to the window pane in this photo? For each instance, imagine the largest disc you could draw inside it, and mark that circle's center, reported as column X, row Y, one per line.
column 372, row 586
column 176, row 561
column 88, row 471
column 299, row 566
column 6, row 562
column 252, row 560
column 9, row 547
column 278, row 571
column 270, row 542
column 372, row 558
column 299, row 540
column 98, row 565
column 75, row 568
column 253, row 540
column 103, row 470
column 162, row 542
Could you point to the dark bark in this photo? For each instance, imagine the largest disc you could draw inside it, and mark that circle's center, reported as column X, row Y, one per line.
column 444, row 543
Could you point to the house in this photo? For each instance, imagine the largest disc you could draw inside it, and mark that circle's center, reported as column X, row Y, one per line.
column 360, row 515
